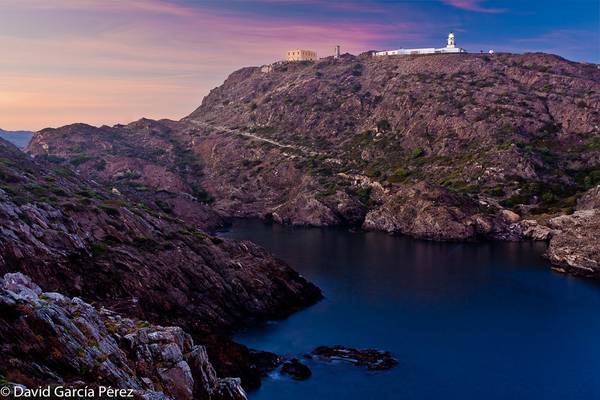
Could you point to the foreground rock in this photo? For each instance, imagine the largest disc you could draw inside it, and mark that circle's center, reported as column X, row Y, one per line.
column 374, row 360
column 48, row 338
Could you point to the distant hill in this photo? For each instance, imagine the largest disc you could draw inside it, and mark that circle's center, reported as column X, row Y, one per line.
column 18, row 138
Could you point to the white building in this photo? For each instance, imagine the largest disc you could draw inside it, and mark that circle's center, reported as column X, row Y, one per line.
column 450, row 48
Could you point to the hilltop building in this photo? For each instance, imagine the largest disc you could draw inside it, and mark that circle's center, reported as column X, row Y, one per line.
column 450, row 48
column 301, row 55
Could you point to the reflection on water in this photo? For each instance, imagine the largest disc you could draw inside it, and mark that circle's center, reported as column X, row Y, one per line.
column 466, row 321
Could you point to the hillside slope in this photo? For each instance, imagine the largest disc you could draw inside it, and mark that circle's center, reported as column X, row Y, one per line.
column 523, row 129
column 70, row 235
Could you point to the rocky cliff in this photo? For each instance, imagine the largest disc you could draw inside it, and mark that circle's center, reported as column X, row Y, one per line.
column 75, row 236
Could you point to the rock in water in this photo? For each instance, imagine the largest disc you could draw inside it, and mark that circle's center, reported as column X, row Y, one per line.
column 296, row 369
column 374, row 360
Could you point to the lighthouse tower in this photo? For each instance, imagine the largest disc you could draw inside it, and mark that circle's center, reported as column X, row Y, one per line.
column 450, row 40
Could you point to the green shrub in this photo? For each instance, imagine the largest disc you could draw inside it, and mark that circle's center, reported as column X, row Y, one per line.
column 417, row 152
column 399, row 175
column 202, row 195
column 329, row 190
column 383, row 125
column 80, row 159
column 363, row 194
column 164, row 206
column 357, row 69
column 593, row 143
column 98, row 249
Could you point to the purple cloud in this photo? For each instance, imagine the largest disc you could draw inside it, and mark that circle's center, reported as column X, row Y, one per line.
column 473, row 5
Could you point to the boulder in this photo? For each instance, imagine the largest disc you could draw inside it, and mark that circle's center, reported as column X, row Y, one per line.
column 296, row 369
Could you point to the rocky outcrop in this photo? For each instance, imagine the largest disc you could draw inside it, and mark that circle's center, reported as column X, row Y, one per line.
column 49, row 338
column 533, row 230
column 590, row 200
column 432, row 212
column 575, row 246
column 374, row 360
column 146, row 161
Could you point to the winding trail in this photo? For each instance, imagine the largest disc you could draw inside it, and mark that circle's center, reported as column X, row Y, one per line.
column 303, row 149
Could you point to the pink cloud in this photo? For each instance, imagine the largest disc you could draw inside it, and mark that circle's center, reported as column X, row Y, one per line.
column 149, row 57
column 473, row 5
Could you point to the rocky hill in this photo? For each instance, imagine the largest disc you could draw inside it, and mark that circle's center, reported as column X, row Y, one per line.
column 75, row 236
column 521, row 130
column 444, row 147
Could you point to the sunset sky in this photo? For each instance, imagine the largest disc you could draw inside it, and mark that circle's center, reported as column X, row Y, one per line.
column 106, row 62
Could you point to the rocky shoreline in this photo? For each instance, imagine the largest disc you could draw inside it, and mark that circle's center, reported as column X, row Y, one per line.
column 440, row 148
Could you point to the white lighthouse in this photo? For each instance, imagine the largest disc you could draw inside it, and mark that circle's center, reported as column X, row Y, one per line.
column 451, row 41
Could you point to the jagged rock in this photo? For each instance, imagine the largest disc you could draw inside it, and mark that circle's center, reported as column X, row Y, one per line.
column 50, row 338
column 575, row 246
column 228, row 389
column 590, row 200
column 296, row 369
column 534, row 231
column 374, row 360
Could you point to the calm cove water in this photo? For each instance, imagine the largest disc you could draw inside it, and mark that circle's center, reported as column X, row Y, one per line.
column 466, row 321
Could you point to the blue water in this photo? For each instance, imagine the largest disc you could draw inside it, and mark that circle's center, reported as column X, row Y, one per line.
column 466, row 321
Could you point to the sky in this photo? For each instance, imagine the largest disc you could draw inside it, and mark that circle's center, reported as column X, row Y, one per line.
column 115, row 61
